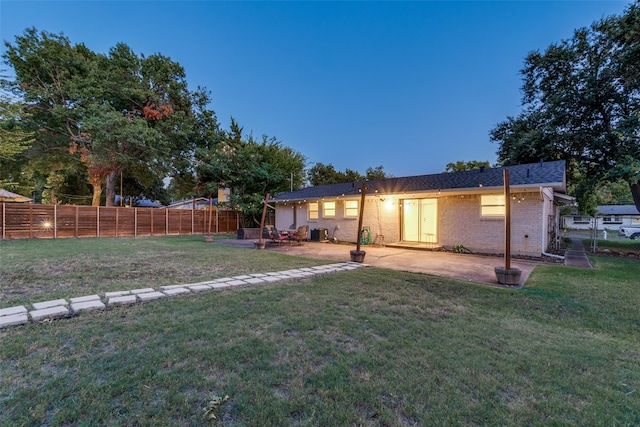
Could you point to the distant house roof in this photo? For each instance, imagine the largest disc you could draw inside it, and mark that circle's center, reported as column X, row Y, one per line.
column 200, row 203
column 8, row 196
column 547, row 174
column 138, row 202
column 618, row 210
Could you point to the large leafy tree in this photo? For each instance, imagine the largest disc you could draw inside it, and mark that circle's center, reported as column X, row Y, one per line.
column 321, row 174
column 14, row 140
column 581, row 103
column 461, row 165
column 107, row 113
column 249, row 168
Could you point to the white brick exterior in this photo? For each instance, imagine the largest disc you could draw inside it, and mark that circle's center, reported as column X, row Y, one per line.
column 459, row 221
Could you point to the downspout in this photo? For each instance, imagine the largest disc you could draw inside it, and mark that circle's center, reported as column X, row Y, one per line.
column 543, row 234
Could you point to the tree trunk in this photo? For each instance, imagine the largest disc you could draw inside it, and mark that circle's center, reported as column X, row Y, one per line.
column 110, row 181
column 97, row 193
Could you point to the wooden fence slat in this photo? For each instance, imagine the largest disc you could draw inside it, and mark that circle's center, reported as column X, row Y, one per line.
column 20, row 221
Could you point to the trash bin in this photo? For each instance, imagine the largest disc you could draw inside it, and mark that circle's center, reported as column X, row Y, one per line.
column 319, row 234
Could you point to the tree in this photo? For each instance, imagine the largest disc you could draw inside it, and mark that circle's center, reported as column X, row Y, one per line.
column 376, row 173
column 249, row 168
column 321, row 174
column 14, row 140
column 110, row 112
column 581, row 100
column 461, row 166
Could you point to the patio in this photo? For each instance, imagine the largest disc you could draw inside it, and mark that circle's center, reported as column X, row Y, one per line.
column 467, row 267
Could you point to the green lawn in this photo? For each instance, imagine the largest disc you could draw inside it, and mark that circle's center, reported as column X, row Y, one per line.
column 367, row 347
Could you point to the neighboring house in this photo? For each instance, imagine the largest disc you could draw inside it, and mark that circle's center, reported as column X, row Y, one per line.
column 198, row 203
column 137, row 202
column 441, row 210
column 609, row 217
column 202, row 202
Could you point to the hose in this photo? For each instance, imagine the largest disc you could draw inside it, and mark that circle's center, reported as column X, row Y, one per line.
column 365, row 236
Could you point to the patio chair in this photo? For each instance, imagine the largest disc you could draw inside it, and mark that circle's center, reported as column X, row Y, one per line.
column 281, row 236
column 302, row 233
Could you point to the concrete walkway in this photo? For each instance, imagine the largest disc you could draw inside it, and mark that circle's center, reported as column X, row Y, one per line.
column 58, row 308
column 576, row 255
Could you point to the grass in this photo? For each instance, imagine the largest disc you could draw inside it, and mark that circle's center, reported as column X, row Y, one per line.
column 369, row 347
column 37, row 270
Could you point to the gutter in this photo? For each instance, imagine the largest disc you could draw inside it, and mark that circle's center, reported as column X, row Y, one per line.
column 542, row 231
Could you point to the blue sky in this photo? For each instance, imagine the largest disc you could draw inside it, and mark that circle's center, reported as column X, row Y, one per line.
column 410, row 86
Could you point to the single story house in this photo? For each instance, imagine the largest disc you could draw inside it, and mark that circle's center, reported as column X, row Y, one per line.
column 440, row 210
column 608, row 217
column 195, row 203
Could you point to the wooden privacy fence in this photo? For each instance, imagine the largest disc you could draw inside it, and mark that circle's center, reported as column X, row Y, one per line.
column 58, row 221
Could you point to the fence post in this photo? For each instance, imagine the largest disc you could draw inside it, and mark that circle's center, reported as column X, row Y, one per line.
column 76, row 230
column 118, row 221
column 30, row 221
column 135, row 222
column 4, row 222
column 98, row 221
column 55, row 221
column 166, row 221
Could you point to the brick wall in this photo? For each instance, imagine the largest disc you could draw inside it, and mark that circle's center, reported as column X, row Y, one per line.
column 459, row 223
column 381, row 218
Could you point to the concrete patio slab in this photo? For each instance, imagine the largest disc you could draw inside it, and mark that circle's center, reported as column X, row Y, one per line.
column 469, row 268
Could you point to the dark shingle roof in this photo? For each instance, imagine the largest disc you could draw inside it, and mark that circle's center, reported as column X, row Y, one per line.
column 534, row 174
column 617, row 210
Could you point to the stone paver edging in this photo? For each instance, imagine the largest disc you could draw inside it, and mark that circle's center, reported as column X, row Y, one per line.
column 59, row 308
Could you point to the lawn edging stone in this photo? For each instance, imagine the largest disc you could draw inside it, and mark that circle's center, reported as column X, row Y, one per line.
column 54, row 309
column 49, row 313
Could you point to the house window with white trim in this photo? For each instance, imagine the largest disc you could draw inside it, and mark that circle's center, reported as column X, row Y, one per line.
column 329, row 209
column 492, row 206
column 313, row 210
column 612, row 220
column 351, row 209
column 581, row 220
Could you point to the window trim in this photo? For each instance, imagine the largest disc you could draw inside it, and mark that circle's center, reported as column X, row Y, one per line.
column 494, row 204
column 313, row 214
column 347, row 208
column 325, row 209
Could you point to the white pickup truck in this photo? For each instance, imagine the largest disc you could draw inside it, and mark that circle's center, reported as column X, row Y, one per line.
column 630, row 231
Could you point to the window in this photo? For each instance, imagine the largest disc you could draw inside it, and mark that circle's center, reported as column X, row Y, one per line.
column 313, row 210
column 329, row 209
column 581, row 220
column 351, row 208
column 612, row 220
column 492, row 206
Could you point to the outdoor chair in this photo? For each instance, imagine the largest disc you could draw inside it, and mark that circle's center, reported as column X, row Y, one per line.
column 281, row 236
column 302, row 233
